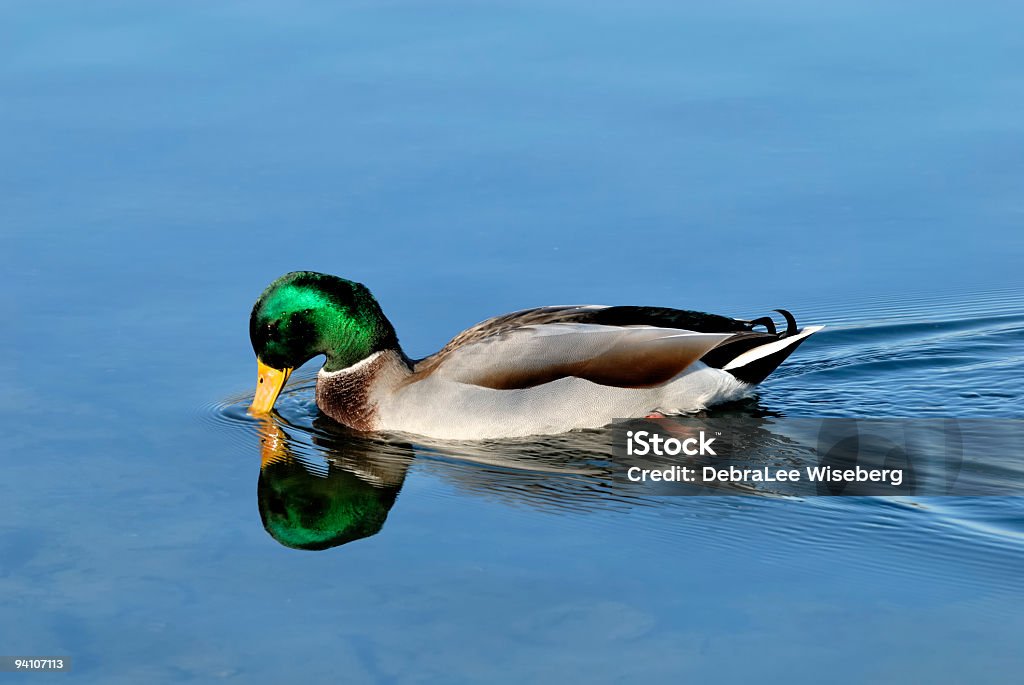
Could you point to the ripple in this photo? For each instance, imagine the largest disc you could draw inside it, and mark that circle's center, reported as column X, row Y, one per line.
column 924, row 356
column 910, row 306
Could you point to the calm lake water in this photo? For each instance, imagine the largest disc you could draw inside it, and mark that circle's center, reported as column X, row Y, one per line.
column 858, row 163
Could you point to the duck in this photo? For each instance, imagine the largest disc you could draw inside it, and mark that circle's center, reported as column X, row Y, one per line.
column 538, row 371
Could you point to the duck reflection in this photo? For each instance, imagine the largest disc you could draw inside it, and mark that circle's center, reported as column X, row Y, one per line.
column 345, row 495
column 322, row 486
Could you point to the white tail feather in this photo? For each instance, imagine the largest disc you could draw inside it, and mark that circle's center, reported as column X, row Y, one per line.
column 770, row 348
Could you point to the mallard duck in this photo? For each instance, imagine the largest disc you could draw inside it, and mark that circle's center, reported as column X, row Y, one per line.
column 532, row 372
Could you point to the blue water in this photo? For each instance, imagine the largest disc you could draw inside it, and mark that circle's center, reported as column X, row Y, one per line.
column 857, row 163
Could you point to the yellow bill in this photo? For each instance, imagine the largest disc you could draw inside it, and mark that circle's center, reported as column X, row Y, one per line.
column 268, row 386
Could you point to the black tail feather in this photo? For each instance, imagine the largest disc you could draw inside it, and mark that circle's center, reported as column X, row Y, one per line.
column 759, row 369
column 756, row 370
column 791, row 328
column 765, row 321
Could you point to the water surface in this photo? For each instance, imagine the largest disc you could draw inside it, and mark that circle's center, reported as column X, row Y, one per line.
column 859, row 164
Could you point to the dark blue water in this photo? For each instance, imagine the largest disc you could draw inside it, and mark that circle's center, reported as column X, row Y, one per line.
column 859, row 164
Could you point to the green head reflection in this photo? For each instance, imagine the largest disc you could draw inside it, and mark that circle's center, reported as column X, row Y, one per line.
column 303, row 507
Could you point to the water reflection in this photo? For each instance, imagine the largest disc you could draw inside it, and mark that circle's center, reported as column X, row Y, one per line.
column 305, row 505
column 321, row 485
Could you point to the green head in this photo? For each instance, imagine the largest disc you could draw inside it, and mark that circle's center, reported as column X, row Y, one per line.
column 304, row 314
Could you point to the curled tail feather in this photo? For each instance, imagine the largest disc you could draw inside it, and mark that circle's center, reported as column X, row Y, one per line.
column 752, row 356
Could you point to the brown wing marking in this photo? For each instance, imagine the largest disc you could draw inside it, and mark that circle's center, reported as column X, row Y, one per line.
column 623, row 366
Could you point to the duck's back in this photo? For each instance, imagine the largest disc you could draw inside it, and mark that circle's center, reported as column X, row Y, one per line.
column 554, row 369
